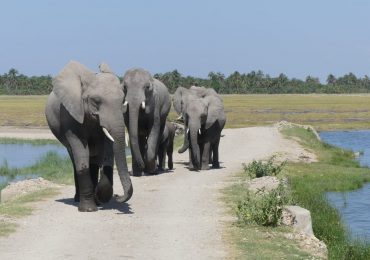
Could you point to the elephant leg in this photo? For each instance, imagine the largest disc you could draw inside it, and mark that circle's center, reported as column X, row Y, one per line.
column 169, row 155
column 150, row 165
column 94, row 173
column 104, row 190
column 136, row 170
column 161, row 157
column 85, row 184
column 210, row 155
column 205, row 156
column 77, row 190
column 191, row 165
column 215, row 161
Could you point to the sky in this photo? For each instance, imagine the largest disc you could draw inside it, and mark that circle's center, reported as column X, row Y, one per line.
column 294, row 37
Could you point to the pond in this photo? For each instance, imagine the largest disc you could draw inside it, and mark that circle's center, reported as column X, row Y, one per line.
column 354, row 206
column 23, row 155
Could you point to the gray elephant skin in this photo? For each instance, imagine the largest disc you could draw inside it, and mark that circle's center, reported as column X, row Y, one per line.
column 182, row 98
column 148, row 104
column 204, row 118
column 166, row 147
column 85, row 113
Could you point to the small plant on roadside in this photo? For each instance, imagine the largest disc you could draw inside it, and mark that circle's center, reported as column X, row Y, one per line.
column 263, row 209
column 257, row 169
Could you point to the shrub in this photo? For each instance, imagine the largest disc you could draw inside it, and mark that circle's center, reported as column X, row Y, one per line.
column 257, row 169
column 263, row 209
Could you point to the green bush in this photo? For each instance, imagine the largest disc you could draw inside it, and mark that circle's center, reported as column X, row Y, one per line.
column 257, row 169
column 263, row 209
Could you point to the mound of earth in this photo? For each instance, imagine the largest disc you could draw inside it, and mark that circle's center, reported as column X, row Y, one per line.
column 19, row 188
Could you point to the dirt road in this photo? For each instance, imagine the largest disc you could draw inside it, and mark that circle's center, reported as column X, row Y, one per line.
column 175, row 215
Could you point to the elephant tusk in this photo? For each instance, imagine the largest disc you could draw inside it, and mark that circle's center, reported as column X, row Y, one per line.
column 125, row 104
column 127, row 139
column 199, row 131
column 107, row 134
column 143, row 105
column 187, row 131
column 179, row 118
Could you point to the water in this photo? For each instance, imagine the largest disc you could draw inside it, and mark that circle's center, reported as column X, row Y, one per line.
column 23, row 155
column 354, row 206
column 357, row 141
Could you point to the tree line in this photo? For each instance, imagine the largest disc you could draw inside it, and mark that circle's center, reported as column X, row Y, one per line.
column 254, row 82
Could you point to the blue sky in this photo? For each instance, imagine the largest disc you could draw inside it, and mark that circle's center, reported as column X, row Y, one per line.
column 296, row 37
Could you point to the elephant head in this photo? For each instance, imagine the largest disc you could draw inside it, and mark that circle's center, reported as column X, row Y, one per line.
column 99, row 98
column 138, row 85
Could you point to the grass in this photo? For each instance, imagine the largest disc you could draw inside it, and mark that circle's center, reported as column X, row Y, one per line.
column 51, row 167
column 324, row 112
column 20, row 207
column 336, row 170
column 35, row 142
column 22, row 110
column 251, row 241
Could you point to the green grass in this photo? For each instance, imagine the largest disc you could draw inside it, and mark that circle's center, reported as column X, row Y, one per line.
column 250, row 241
column 336, row 170
column 21, row 207
column 51, row 167
column 35, row 142
column 324, row 112
column 22, row 110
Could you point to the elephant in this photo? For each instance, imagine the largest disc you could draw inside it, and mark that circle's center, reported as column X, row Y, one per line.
column 182, row 97
column 205, row 118
column 166, row 147
column 85, row 113
column 148, row 105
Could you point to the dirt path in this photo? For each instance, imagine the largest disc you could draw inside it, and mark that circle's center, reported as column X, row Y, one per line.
column 174, row 215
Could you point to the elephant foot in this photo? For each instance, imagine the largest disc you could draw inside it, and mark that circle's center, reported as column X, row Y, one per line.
column 205, row 167
column 87, row 206
column 136, row 173
column 76, row 197
column 104, row 190
column 216, row 165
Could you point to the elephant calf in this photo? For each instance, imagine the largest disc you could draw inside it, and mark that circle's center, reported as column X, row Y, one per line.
column 166, row 147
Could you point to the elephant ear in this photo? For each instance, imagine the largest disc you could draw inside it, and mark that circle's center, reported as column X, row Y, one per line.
column 68, row 86
column 104, row 68
column 177, row 100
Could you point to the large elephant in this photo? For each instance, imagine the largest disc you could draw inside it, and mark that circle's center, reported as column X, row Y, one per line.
column 85, row 113
column 166, row 147
column 147, row 109
column 205, row 118
column 182, row 97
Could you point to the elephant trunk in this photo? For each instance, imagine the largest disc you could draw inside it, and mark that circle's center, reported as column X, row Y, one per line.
column 185, row 145
column 134, row 139
column 194, row 146
column 121, row 163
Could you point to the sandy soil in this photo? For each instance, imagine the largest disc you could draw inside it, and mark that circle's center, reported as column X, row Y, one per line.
column 176, row 215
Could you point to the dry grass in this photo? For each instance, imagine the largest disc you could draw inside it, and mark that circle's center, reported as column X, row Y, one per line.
column 22, row 111
column 324, row 112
